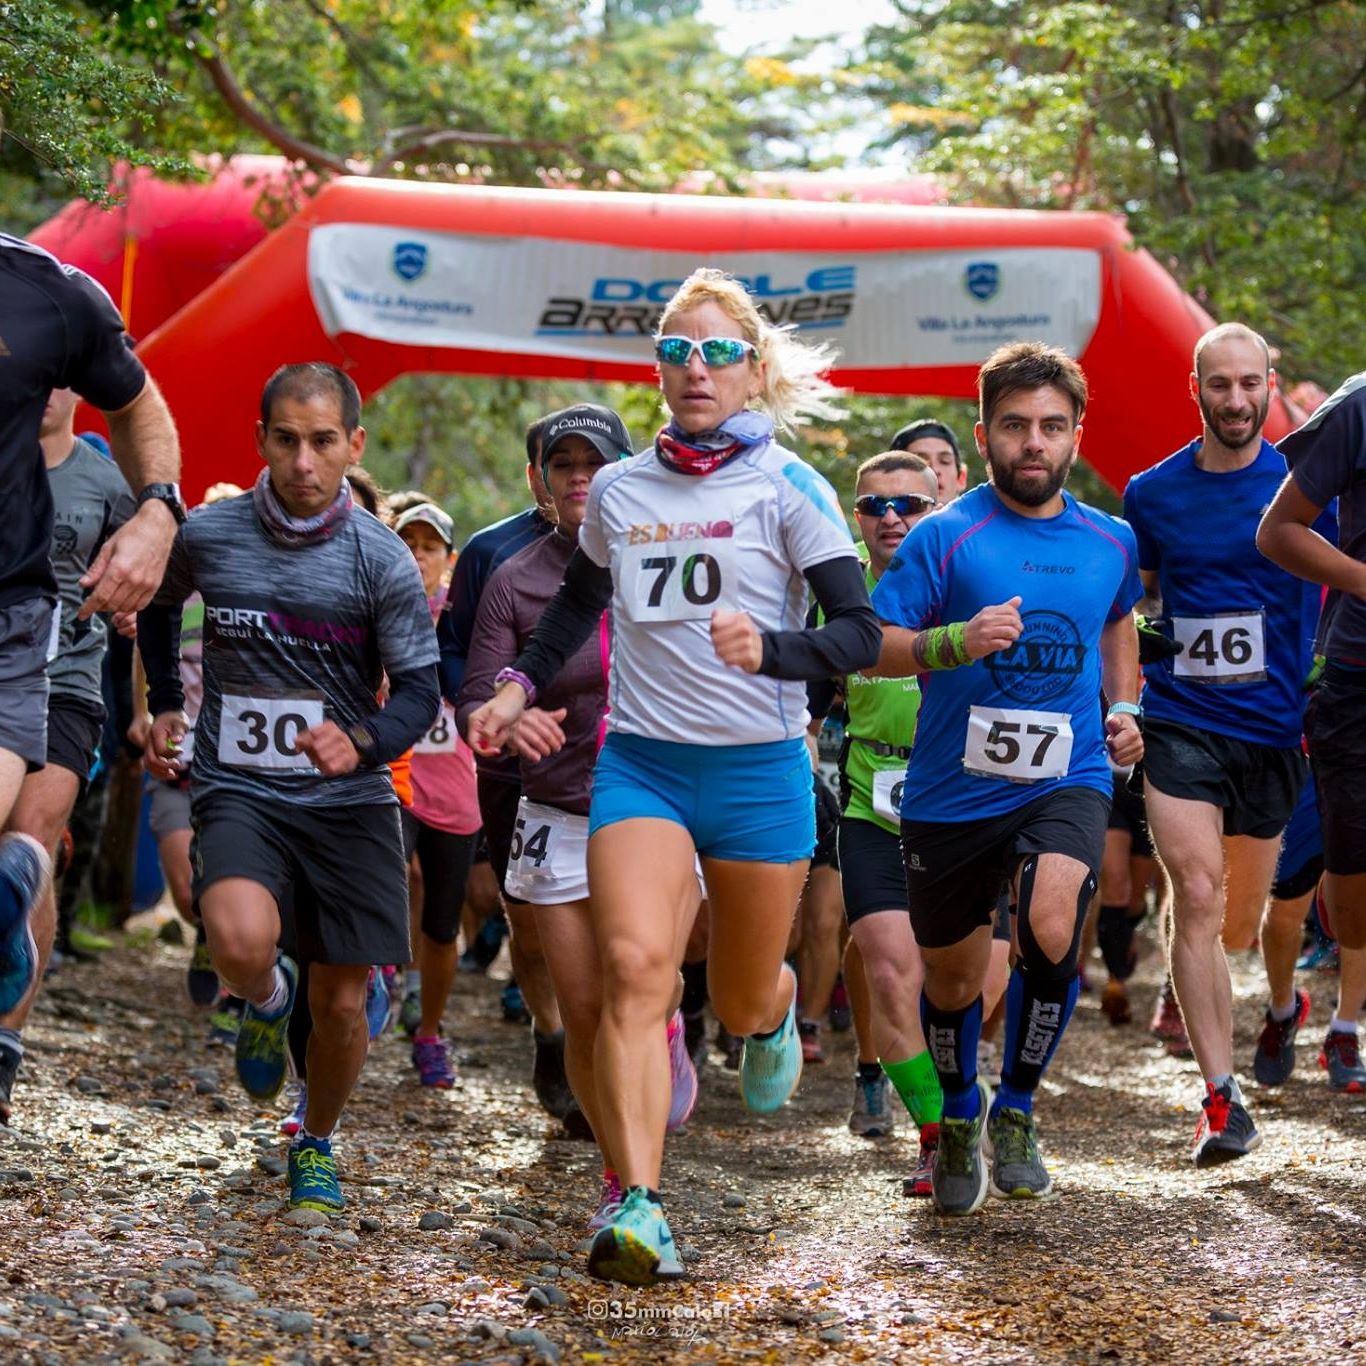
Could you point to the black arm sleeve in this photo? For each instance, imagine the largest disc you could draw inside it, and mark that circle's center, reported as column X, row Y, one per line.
column 569, row 619
column 851, row 638
column 820, row 697
column 159, row 645
column 414, row 700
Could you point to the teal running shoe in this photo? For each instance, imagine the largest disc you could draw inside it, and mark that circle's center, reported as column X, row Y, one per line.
column 313, row 1176
column 376, row 1003
column 25, row 873
column 770, row 1068
column 410, row 1014
column 263, row 1043
column 637, row 1247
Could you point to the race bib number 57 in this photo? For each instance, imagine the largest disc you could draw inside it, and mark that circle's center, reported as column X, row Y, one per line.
column 679, row 580
column 259, row 732
column 1020, row 746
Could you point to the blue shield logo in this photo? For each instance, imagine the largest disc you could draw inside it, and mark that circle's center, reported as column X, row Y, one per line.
column 982, row 279
column 410, row 260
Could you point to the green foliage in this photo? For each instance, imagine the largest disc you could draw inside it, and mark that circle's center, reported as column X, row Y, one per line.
column 1229, row 132
column 71, row 109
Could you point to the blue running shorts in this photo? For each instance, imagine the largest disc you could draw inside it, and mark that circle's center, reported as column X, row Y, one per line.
column 747, row 803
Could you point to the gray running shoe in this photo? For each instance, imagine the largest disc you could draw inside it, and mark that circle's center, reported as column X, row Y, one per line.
column 1275, row 1057
column 1342, row 1058
column 959, row 1182
column 1017, row 1170
column 872, row 1115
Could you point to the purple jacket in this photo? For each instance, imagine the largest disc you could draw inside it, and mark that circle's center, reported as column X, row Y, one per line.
column 512, row 603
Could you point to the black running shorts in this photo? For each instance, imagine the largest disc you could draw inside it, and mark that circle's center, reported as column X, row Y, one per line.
column 871, row 872
column 1256, row 786
column 957, row 871
column 1127, row 813
column 1335, row 723
column 74, row 729
column 445, row 861
column 498, row 810
column 343, row 865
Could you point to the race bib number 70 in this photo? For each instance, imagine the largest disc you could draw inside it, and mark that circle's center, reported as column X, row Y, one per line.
column 1020, row 746
column 679, row 580
column 259, row 732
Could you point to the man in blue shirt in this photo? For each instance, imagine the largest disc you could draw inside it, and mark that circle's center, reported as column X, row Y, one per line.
column 1010, row 754
column 1224, row 765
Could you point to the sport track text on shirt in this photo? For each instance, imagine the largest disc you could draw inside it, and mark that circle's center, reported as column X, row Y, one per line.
column 747, row 532
column 994, row 735
column 293, row 637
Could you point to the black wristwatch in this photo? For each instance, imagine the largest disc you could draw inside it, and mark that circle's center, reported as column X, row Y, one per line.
column 164, row 493
column 363, row 738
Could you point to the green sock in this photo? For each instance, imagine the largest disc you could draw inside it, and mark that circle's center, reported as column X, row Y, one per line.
column 917, row 1083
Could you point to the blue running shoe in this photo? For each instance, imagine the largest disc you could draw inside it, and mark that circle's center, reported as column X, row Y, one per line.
column 200, row 979
column 313, row 1176
column 25, row 872
column 771, row 1068
column 376, row 1004
column 263, row 1043
column 514, row 1005
column 637, row 1247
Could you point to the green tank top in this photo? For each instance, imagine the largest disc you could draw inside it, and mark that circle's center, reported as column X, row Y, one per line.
column 878, row 736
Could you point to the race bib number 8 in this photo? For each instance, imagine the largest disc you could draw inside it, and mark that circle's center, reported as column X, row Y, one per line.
column 1221, row 649
column 678, row 580
column 442, row 736
column 259, row 732
column 1020, row 746
column 887, row 785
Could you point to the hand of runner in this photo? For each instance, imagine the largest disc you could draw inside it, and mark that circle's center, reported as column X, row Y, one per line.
column 993, row 628
column 736, row 640
column 139, row 729
column 330, row 748
column 161, row 749
column 128, row 569
column 1123, row 739
column 539, row 733
column 491, row 726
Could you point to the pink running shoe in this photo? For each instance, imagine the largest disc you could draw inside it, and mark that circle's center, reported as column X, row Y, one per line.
column 608, row 1203
column 682, row 1077
column 433, row 1063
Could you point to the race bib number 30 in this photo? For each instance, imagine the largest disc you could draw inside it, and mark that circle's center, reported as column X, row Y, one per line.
column 259, row 732
column 1020, row 746
column 1221, row 649
column 679, row 580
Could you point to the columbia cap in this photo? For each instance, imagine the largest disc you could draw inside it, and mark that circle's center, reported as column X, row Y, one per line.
column 433, row 517
column 594, row 423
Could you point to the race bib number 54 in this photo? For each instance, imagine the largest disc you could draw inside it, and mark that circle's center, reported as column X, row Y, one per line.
column 259, row 732
column 679, row 580
column 1020, row 746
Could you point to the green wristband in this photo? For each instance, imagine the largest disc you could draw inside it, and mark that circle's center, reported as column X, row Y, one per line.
column 945, row 647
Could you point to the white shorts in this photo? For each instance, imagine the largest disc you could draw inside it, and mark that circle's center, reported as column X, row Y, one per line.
column 548, row 861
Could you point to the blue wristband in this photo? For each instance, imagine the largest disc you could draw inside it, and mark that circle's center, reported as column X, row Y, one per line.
column 1124, row 709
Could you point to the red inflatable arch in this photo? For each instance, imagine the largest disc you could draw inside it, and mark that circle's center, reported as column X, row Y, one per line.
column 387, row 277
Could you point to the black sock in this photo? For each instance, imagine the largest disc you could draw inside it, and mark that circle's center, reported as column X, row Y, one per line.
column 651, row 1195
column 869, row 1071
column 694, row 987
column 1115, row 935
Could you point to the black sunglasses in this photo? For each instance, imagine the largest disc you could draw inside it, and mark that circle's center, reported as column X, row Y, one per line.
column 903, row 504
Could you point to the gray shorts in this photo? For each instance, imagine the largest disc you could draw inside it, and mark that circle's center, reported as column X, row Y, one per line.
column 25, row 633
column 169, row 810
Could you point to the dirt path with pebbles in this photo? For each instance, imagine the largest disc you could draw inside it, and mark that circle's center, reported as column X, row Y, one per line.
column 143, row 1215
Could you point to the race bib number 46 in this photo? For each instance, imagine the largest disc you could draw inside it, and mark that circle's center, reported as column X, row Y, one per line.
column 259, row 732
column 1221, row 649
column 679, row 580
column 1020, row 746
